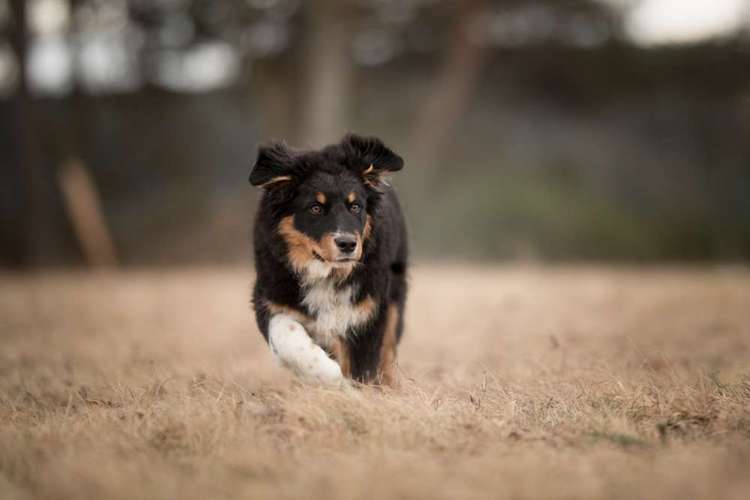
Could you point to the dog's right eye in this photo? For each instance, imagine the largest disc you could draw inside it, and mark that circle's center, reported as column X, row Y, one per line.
column 316, row 209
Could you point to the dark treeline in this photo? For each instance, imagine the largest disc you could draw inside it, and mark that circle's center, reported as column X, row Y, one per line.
column 531, row 129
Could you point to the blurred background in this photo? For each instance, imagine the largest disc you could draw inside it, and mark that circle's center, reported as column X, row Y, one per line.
column 560, row 130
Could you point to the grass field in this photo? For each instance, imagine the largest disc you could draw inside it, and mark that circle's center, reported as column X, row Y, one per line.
column 516, row 382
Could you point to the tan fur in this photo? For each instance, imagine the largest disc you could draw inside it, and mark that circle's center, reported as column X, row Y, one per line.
column 374, row 178
column 367, row 307
column 302, row 249
column 367, row 231
column 360, row 248
column 340, row 353
column 321, row 198
column 342, row 272
column 328, row 244
column 352, row 197
column 281, row 178
column 298, row 316
column 387, row 366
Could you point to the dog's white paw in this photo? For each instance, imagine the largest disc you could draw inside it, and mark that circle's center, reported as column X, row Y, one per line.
column 324, row 370
column 295, row 350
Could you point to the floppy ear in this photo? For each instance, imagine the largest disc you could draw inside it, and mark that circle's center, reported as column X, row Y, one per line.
column 371, row 158
column 275, row 164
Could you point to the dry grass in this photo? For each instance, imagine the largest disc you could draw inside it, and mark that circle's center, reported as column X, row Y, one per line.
column 516, row 382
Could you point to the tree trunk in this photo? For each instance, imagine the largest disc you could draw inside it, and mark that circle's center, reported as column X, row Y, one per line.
column 328, row 71
column 24, row 212
column 448, row 99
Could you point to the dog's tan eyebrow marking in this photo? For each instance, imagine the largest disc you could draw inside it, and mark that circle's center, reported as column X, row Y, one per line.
column 369, row 169
column 352, row 196
column 301, row 247
column 321, row 198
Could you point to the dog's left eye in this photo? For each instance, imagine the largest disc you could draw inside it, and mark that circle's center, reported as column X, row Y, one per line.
column 355, row 208
column 316, row 209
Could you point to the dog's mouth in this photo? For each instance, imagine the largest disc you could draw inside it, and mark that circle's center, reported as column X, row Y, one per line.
column 342, row 260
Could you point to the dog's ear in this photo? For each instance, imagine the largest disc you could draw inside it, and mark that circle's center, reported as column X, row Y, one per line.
column 371, row 158
column 274, row 166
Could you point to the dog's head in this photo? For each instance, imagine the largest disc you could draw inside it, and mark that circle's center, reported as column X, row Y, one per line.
column 322, row 202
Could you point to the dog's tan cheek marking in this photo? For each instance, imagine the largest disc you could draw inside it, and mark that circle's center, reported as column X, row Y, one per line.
column 387, row 365
column 329, row 250
column 300, row 247
column 359, row 249
column 361, row 238
column 321, row 198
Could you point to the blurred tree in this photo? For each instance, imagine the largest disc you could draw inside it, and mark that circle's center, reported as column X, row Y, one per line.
column 328, row 71
column 446, row 102
column 163, row 101
column 20, row 219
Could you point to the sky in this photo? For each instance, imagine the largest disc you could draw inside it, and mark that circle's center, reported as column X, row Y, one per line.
column 649, row 21
column 108, row 59
column 656, row 22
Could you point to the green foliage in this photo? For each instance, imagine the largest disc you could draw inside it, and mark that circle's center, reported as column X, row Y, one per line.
column 500, row 214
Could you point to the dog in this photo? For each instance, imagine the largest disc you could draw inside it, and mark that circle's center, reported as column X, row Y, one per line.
column 331, row 255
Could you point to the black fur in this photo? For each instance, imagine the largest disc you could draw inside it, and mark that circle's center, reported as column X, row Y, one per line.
column 291, row 180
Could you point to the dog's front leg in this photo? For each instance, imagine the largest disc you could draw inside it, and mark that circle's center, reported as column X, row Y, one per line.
column 295, row 350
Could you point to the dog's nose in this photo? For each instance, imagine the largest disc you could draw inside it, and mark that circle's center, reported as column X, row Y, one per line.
column 346, row 244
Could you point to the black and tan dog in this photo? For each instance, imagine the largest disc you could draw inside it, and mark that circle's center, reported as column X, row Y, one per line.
column 331, row 257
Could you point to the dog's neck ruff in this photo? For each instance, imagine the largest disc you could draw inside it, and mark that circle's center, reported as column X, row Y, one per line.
column 331, row 304
column 317, row 270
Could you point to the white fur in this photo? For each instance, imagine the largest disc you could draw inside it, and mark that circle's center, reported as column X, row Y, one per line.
column 295, row 350
column 333, row 310
column 333, row 314
column 317, row 270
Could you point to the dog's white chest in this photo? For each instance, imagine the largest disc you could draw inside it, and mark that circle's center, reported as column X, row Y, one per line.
column 332, row 310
